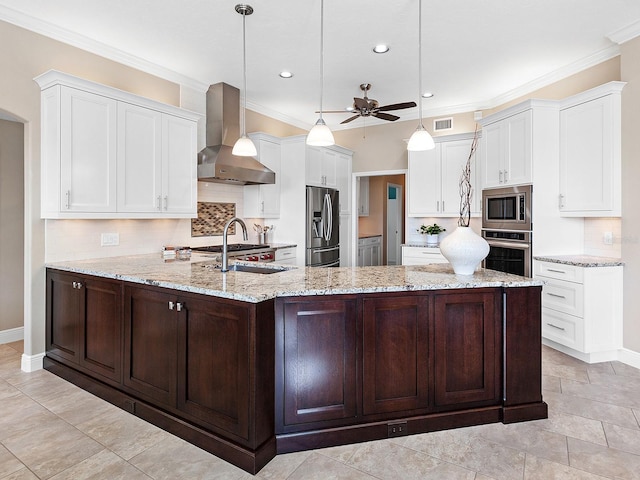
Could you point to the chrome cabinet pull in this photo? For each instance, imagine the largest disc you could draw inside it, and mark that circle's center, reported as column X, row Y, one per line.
column 159, row 203
column 555, row 271
column 506, row 175
column 561, row 201
column 179, row 306
column 171, row 305
column 68, row 195
column 500, row 176
column 555, row 295
column 77, row 285
column 556, row 327
column 166, row 202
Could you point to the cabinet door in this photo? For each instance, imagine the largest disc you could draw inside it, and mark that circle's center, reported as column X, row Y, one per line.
column 395, row 354
column 101, row 329
column 343, row 172
column 423, row 189
column 139, row 159
column 586, row 157
column 87, row 152
column 318, row 361
column 454, row 156
column 63, row 318
column 313, row 164
column 263, row 201
column 517, row 168
column 179, row 165
column 329, row 168
column 467, row 328
column 493, row 154
column 363, row 196
column 150, row 344
column 214, row 364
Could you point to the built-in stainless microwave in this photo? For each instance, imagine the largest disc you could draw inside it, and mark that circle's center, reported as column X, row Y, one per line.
column 507, row 208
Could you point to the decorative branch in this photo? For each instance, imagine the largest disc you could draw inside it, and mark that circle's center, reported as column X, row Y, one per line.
column 466, row 189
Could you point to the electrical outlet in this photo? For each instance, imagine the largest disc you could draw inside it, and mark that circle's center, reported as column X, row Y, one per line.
column 397, row 429
column 109, row 239
column 607, row 238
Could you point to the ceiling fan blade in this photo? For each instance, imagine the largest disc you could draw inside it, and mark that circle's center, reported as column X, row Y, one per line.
column 333, row 111
column 350, row 119
column 361, row 103
column 386, row 116
column 396, row 106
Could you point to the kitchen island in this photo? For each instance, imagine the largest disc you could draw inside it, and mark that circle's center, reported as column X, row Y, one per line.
column 248, row 365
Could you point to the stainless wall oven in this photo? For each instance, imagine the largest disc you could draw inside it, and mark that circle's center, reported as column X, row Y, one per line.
column 508, row 229
column 509, row 252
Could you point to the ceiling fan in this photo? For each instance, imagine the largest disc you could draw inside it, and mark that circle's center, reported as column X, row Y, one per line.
column 368, row 107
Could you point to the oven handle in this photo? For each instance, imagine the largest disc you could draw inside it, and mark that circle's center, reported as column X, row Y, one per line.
column 519, row 246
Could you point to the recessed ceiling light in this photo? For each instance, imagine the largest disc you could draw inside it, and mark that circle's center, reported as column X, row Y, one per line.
column 286, row 74
column 427, row 95
column 381, row 48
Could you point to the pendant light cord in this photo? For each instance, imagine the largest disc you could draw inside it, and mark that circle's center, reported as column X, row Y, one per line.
column 244, row 75
column 420, row 61
column 321, row 53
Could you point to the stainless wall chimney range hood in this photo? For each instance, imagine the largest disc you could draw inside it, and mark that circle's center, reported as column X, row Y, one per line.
column 216, row 163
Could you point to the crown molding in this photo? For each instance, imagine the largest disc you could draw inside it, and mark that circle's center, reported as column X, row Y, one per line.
column 625, row 34
column 80, row 41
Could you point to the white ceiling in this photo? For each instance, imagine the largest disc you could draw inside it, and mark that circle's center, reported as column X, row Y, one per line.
column 476, row 53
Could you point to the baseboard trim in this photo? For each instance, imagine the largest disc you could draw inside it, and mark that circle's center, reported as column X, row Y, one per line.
column 11, row 335
column 623, row 355
column 630, row 357
column 31, row 363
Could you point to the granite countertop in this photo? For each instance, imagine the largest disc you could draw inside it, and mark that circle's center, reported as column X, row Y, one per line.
column 581, row 260
column 199, row 275
column 277, row 246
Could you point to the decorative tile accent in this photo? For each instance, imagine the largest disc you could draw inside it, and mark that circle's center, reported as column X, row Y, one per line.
column 211, row 219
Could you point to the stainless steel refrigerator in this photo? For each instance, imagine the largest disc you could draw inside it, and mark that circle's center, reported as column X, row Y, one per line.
column 323, row 229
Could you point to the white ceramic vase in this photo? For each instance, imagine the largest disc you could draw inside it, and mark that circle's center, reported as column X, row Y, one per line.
column 464, row 249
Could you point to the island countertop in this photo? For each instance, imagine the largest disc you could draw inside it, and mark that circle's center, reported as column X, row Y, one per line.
column 200, row 275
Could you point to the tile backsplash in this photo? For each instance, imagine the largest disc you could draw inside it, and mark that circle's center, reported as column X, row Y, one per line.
column 212, row 217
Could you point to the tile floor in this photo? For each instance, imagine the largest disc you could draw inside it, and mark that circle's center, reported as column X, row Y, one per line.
column 50, row 429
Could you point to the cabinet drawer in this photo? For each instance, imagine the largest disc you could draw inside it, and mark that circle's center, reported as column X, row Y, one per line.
column 370, row 241
column 562, row 328
column 565, row 297
column 421, row 256
column 283, row 254
column 560, row 271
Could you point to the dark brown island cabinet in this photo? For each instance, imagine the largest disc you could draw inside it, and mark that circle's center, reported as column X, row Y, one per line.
column 246, row 381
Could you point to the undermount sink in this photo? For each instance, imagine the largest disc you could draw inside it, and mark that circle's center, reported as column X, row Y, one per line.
column 239, row 267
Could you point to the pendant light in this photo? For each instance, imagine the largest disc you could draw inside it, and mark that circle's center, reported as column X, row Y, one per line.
column 244, row 147
column 320, row 135
column 420, row 140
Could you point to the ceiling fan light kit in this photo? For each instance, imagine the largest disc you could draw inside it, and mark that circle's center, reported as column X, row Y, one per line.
column 421, row 139
column 320, row 135
column 244, row 147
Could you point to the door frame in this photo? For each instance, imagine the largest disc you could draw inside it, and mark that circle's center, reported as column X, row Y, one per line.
column 354, row 203
column 398, row 212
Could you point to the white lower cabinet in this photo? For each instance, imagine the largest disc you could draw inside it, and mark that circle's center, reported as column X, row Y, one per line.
column 582, row 309
column 421, row 255
column 370, row 251
column 286, row 255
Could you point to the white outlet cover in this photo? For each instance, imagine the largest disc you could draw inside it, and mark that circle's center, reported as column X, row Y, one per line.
column 607, row 238
column 109, row 239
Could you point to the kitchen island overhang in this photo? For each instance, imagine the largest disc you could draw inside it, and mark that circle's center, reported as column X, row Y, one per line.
column 304, row 358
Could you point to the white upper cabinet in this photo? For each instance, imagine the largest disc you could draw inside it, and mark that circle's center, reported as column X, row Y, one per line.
column 434, row 178
column 590, row 158
column 110, row 154
column 263, row 201
column 321, row 163
column 507, row 150
column 343, row 181
column 362, row 196
column 85, row 163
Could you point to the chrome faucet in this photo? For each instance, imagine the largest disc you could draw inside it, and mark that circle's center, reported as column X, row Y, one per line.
column 225, row 255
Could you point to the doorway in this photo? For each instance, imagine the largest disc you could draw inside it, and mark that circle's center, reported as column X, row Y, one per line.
column 375, row 221
column 395, row 224
column 11, row 229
